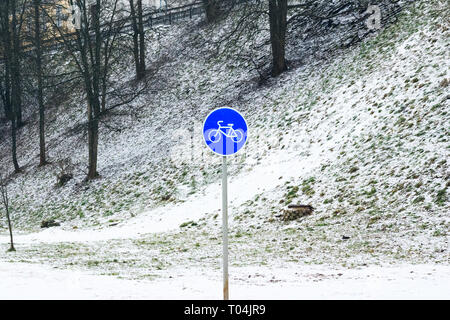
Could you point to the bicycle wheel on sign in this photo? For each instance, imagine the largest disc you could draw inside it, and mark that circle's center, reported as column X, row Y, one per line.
column 214, row 136
column 239, row 136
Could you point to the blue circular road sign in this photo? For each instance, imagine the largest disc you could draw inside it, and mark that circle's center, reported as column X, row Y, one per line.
column 225, row 131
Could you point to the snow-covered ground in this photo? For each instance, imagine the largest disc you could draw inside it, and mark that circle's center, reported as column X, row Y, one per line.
column 25, row 281
column 169, row 217
column 362, row 136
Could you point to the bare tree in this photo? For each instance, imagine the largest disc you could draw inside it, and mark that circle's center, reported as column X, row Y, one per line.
column 141, row 39
column 137, row 60
column 278, row 26
column 16, row 21
column 5, row 201
column 89, row 47
column 39, row 74
column 95, row 48
column 307, row 19
column 136, row 16
column 11, row 82
column 211, row 9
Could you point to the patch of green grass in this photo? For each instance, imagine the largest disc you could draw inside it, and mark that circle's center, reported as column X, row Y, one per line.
column 291, row 194
column 438, row 233
column 353, row 169
column 188, row 224
column 307, row 186
column 418, row 199
column 371, row 192
column 441, row 197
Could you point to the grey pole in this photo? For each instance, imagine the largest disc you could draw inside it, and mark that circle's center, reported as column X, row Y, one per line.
column 225, row 227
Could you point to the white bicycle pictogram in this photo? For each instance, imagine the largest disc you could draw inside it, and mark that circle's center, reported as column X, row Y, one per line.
column 228, row 131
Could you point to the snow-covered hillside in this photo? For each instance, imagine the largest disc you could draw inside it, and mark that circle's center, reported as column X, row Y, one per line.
column 363, row 136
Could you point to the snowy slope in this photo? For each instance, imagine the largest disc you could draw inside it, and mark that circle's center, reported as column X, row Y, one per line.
column 362, row 136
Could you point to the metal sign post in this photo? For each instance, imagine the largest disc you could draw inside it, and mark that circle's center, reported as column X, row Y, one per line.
column 225, row 227
column 225, row 133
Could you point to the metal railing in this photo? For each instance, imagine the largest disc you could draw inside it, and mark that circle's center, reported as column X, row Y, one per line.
column 125, row 26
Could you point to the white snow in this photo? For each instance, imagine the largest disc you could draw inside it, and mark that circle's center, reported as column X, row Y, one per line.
column 25, row 281
column 383, row 115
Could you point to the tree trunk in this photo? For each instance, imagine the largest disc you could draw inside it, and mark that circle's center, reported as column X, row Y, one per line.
column 14, row 144
column 135, row 37
column 278, row 27
column 6, row 42
column 4, row 192
column 16, row 92
column 11, row 97
column 104, row 93
column 93, row 128
column 94, row 101
column 211, row 10
column 90, row 70
column 11, row 248
column 93, row 144
column 142, row 66
column 42, row 153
